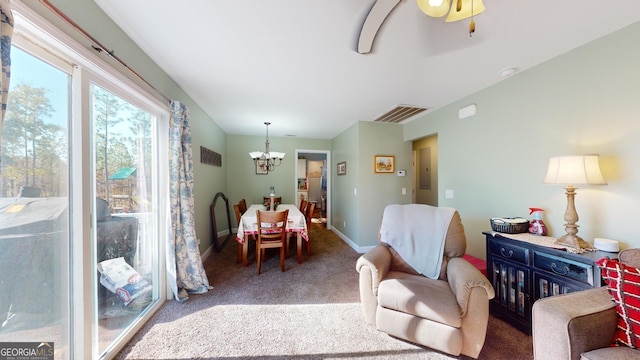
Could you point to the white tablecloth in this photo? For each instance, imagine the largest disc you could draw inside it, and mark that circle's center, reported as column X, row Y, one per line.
column 296, row 222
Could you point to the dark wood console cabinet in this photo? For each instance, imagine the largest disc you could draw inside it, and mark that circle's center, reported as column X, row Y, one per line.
column 522, row 272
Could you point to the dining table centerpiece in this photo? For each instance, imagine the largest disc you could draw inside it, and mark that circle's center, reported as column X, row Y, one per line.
column 267, row 204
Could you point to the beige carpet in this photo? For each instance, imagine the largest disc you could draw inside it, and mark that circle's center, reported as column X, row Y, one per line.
column 311, row 311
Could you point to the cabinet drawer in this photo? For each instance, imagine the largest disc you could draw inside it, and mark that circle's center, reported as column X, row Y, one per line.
column 509, row 251
column 564, row 267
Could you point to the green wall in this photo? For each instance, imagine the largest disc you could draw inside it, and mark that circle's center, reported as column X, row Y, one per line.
column 359, row 197
column 584, row 101
column 242, row 180
column 375, row 191
column 345, row 211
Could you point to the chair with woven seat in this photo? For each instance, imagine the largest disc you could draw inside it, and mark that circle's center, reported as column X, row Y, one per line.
column 271, row 234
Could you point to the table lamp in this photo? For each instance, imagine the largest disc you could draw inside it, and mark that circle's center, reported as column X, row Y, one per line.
column 570, row 171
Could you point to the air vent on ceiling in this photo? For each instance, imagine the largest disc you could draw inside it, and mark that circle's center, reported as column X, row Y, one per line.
column 400, row 113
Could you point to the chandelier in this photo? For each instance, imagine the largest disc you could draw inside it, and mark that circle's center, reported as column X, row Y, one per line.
column 460, row 9
column 267, row 160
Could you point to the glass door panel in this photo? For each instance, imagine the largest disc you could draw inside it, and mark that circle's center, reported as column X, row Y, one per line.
column 126, row 221
column 34, row 206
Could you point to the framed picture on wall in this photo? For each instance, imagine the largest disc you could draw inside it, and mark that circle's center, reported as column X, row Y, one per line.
column 384, row 164
column 261, row 168
column 342, row 168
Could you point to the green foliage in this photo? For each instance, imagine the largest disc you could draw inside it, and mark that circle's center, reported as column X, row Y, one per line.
column 36, row 150
column 32, row 148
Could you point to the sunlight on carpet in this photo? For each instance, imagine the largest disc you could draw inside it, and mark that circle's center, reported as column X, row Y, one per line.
column 310, row 311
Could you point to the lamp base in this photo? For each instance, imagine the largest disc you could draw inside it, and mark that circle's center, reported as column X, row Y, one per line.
column 573, row 241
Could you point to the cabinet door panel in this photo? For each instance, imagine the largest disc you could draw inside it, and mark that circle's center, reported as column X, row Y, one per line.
column 511, row 283
column 545, row 286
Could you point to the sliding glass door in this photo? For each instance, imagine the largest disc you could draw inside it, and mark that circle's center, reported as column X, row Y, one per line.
column 34, row 204
column 126, row 208
column 83, row 148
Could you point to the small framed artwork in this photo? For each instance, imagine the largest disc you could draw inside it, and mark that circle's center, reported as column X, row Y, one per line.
column 261, row 168
column 342, row 168
column 384, row 164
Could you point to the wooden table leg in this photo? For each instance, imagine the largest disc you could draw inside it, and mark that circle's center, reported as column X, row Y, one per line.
column 299, row 236
column 245, row 250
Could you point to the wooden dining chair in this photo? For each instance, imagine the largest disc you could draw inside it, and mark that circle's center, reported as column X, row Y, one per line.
column 236, row 208
column 272, row 233
column 311, row 207
column 243, row 206
column 303, row 210
column 277, row 199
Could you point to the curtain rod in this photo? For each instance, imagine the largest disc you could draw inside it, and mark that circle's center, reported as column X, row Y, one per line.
column 97, row 46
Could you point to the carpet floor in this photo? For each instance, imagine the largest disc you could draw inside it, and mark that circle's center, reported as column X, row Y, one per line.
column 310, row 311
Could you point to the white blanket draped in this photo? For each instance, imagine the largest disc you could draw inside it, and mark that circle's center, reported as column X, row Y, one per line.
column 417, row 232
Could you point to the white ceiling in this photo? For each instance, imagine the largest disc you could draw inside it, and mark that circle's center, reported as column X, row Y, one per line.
column 294, row 62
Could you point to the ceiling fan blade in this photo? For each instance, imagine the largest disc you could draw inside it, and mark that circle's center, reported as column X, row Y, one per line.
column 378, row 13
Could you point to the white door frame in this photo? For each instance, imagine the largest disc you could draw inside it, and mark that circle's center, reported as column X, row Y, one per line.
column 295, row 175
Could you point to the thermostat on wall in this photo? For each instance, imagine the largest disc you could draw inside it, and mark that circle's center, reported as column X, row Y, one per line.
column 402, row 172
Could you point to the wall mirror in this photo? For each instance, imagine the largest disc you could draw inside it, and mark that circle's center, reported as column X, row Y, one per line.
column 218, row 245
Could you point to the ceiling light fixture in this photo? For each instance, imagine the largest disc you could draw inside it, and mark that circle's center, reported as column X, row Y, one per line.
column 506, row 72
column 267, row 160
column 463, row 9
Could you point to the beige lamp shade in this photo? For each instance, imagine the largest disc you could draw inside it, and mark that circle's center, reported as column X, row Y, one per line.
column 465, row 11
column 434, row 8
column 574, row 170
column 570, row 171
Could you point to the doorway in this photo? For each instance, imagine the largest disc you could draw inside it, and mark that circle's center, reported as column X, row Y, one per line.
column 312, row 182
column 425, row 170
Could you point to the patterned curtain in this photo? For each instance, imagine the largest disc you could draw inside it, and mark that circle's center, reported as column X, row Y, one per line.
column 6, row 31
column 187, row 275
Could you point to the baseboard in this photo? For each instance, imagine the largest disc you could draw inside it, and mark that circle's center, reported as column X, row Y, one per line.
column 354, row 246
column 209, row 250
column 207, row 253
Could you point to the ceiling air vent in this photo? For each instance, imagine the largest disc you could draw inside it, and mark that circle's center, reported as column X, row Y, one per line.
column 399, row 114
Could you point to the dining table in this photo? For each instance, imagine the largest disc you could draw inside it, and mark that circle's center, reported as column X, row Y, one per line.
column 296, row 223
